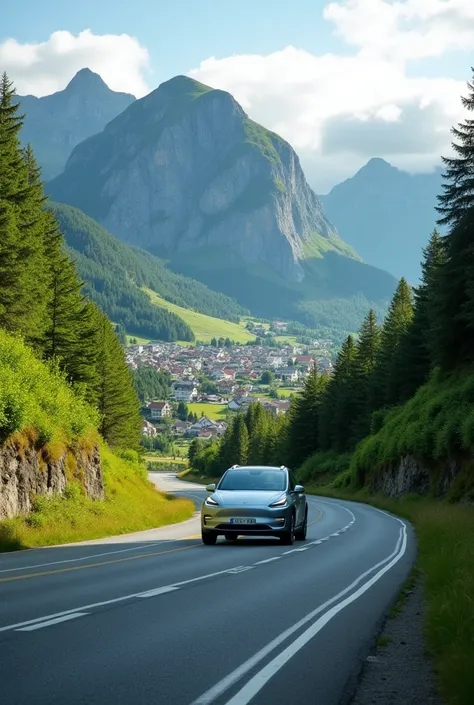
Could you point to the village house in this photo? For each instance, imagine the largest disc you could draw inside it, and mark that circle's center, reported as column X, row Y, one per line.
column 180, row 427
column 159, row 409
column 305, row 361
column 185, row 390
column 148, row 429
column 287, row 374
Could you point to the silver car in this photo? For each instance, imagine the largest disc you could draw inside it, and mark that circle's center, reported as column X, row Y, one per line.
column 255, row 501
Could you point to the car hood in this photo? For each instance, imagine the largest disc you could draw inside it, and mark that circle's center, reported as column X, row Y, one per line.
column 242, row 498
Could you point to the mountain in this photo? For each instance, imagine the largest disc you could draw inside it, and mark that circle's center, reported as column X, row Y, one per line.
column 56, row 123
column 386, row 214
column 116, row 275
column 185, row 174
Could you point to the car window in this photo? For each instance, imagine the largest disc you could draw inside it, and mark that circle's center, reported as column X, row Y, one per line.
column 254, row 479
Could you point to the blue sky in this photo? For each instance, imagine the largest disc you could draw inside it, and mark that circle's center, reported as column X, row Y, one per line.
column 371, row 76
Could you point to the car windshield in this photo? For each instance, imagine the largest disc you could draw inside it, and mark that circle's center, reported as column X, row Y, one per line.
column 254, row 479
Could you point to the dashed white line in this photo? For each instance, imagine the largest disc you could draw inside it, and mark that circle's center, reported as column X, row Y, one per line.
column 51, row 622
column 158, row 591
column 268, row 560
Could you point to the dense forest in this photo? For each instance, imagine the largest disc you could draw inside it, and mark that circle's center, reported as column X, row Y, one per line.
column 41, row 297
column 403, row 388
column 115, row 273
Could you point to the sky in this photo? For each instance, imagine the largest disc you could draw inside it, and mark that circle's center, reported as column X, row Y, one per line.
column 341, row 80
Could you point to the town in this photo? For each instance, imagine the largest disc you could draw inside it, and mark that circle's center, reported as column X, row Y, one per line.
column 207, row 383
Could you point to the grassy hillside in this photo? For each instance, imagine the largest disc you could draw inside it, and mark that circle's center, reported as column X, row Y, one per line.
column 204, row 327
column 38, row 408
column 115, row 272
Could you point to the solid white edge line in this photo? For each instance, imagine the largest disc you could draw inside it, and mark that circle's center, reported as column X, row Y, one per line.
column 268, row 560
column 227, row 682
column 51, row 622
column 255, row 684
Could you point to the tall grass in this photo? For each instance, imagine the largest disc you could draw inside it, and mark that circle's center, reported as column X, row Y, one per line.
column 131, row 504
column 445, row 534
column 35, row 395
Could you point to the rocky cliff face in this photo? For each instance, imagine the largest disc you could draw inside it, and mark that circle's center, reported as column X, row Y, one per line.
column 184, row 169
column 25, row 473
column 56, row 123
column 411, row 476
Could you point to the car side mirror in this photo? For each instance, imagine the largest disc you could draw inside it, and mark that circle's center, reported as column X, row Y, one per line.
column 299, row 489
column 211, row 488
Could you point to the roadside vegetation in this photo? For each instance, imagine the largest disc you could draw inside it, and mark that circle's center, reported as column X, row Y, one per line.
column 65, row 386
column 401, row 390
column 131, row 503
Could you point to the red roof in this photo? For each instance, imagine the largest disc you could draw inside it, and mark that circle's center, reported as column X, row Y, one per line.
column 157, row 404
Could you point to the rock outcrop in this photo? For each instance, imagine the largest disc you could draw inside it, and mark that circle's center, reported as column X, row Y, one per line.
column 26, row 473
column 184, row 169
column 55, row 124
column 411, row 476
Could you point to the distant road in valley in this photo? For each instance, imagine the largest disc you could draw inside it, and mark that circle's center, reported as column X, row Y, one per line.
column 157, row 618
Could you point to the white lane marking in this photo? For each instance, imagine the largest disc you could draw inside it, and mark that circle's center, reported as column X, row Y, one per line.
column 162, row 590
column 255, row 684
column 50, row 622
column 268, row 560
column 219, row 688
column 158, row 591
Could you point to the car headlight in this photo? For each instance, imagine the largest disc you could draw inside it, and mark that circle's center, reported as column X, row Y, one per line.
column 211, row 502
column 280, row 502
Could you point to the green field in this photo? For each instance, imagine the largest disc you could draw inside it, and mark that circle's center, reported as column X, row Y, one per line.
column 215, row 412
column 204, row 327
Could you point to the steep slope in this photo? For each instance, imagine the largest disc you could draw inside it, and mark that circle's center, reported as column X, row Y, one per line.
column 115, row 275
column 386, row 214
column 56, row 123
column 187, row 175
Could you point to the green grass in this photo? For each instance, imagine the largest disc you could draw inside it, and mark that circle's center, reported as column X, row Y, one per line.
column 35, row 396
column 215, row 412
column 436, row 424
column 204, row 327
column 445, row 534
column 132, row 504
column 286, row 339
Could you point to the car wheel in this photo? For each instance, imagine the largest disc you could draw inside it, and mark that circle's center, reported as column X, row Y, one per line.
column 300, row 535
column 209, row 538
column 289, row 536
column 231, row 537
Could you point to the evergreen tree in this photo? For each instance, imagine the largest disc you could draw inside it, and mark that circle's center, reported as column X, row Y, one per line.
column 257, row 422
column 367, row 349
column 458, row 196
column 388, row 375
column 303, row 429
column 182, row 411
column 339, row 402
column 416, row 352
column 454, row 304
column 115, row 396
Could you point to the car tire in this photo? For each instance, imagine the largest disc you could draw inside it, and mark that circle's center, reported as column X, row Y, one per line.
column 231, row 537
column 288, row 537
column 300, row 535
column 209, row 538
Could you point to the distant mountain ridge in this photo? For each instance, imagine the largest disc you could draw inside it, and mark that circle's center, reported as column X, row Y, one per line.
column 116, row 275
column 184, row 173
column 386, row 214
column 56, row 123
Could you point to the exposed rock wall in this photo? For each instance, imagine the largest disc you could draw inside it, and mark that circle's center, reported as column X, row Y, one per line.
column 26, row 473
column 411, row 476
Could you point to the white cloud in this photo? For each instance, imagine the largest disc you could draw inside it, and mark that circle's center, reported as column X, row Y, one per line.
column 45, row 67
column 317, row 102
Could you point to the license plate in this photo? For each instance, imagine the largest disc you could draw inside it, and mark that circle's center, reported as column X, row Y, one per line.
column 242, row 520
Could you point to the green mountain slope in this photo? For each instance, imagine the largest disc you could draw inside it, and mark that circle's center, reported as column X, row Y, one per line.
column 115, row 273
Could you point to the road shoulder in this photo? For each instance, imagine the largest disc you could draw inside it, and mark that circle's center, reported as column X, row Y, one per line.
column 399, row 670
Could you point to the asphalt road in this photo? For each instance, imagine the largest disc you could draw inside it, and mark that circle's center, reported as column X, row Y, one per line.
column 157, row 618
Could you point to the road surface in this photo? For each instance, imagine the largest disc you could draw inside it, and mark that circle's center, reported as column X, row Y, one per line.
column 158, row 618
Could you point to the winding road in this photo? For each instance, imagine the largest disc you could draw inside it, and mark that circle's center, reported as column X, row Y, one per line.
column 157, row 618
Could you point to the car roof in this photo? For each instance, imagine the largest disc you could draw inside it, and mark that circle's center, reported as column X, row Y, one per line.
column 258, row 467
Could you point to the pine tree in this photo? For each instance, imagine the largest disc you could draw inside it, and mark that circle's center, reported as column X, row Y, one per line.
column 458, row 194
column 116, row 398
column 453, row 335
column 416, row 352
column 367, row 350
column 303, row 430
column 339, row 405
column 387, row 376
